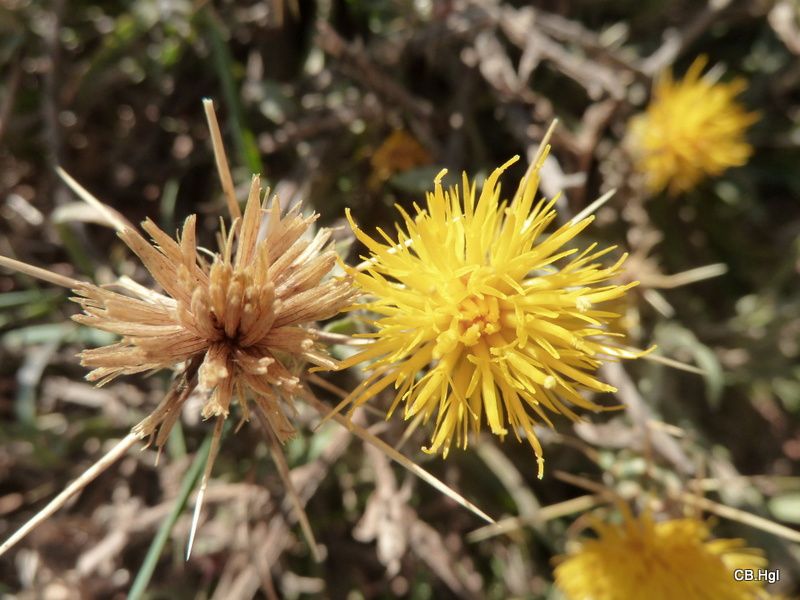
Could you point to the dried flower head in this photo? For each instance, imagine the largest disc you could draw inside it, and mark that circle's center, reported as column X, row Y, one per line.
column 236, row 322
column 642, row 558
column 692, row 129
column 469, row 293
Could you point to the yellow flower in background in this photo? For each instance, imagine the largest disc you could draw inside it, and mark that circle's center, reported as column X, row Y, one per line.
column 476, row 321
column 665, row 560
column 692, row 129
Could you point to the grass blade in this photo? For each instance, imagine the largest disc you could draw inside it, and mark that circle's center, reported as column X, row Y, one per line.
column 157, row 545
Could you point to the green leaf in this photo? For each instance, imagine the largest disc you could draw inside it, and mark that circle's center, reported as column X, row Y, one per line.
column 786, row 507
column 672, row 337
column 27, row 297
column 418, row 181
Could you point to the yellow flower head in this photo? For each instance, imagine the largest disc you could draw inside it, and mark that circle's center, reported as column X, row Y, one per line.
column 236, row 323
column 692, row 129
column 470, row 295
column 641, row 558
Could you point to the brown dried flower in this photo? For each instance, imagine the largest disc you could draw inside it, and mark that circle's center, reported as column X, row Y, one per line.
column 235, row 323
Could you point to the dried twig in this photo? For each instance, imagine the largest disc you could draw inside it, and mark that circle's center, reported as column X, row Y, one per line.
column 676, row 41
column 571, row 31
column 387, row 517
column 519, row 25
column 542, row 515
column 306, row 480
column 358, row 65
column 641, row 414
column 741, row 516
column 73, row 488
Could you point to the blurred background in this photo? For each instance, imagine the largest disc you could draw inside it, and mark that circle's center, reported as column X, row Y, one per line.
column 341, row 103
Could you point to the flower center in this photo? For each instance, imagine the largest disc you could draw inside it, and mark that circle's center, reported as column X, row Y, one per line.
column 474, row 317
column 477, row 317
column 237, row 306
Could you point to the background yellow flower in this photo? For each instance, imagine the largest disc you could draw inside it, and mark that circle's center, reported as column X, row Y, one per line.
column 692, row 129
column 642, row 558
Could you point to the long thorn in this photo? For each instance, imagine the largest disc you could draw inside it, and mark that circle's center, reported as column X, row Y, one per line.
column 589, row 210
column 221, row 159
column 291, row 491
column 330, row 337
column 38, row 273
column 543, row 145
column 73, row 488
column 198, row 503
column 116, row 220
column 690, row 276
column 327, row 385
column 158, row 542
column 544, row 514
column 409, row 431
column 404, row 461
column 741, row 516
column 586, row 484
column 658, row 302
column 343, row 394
column 675, row 364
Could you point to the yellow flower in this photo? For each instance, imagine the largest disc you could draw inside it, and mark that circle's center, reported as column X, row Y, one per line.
column 641, row 558
column 469, row 292
column 235, row 324
column 692, row 129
